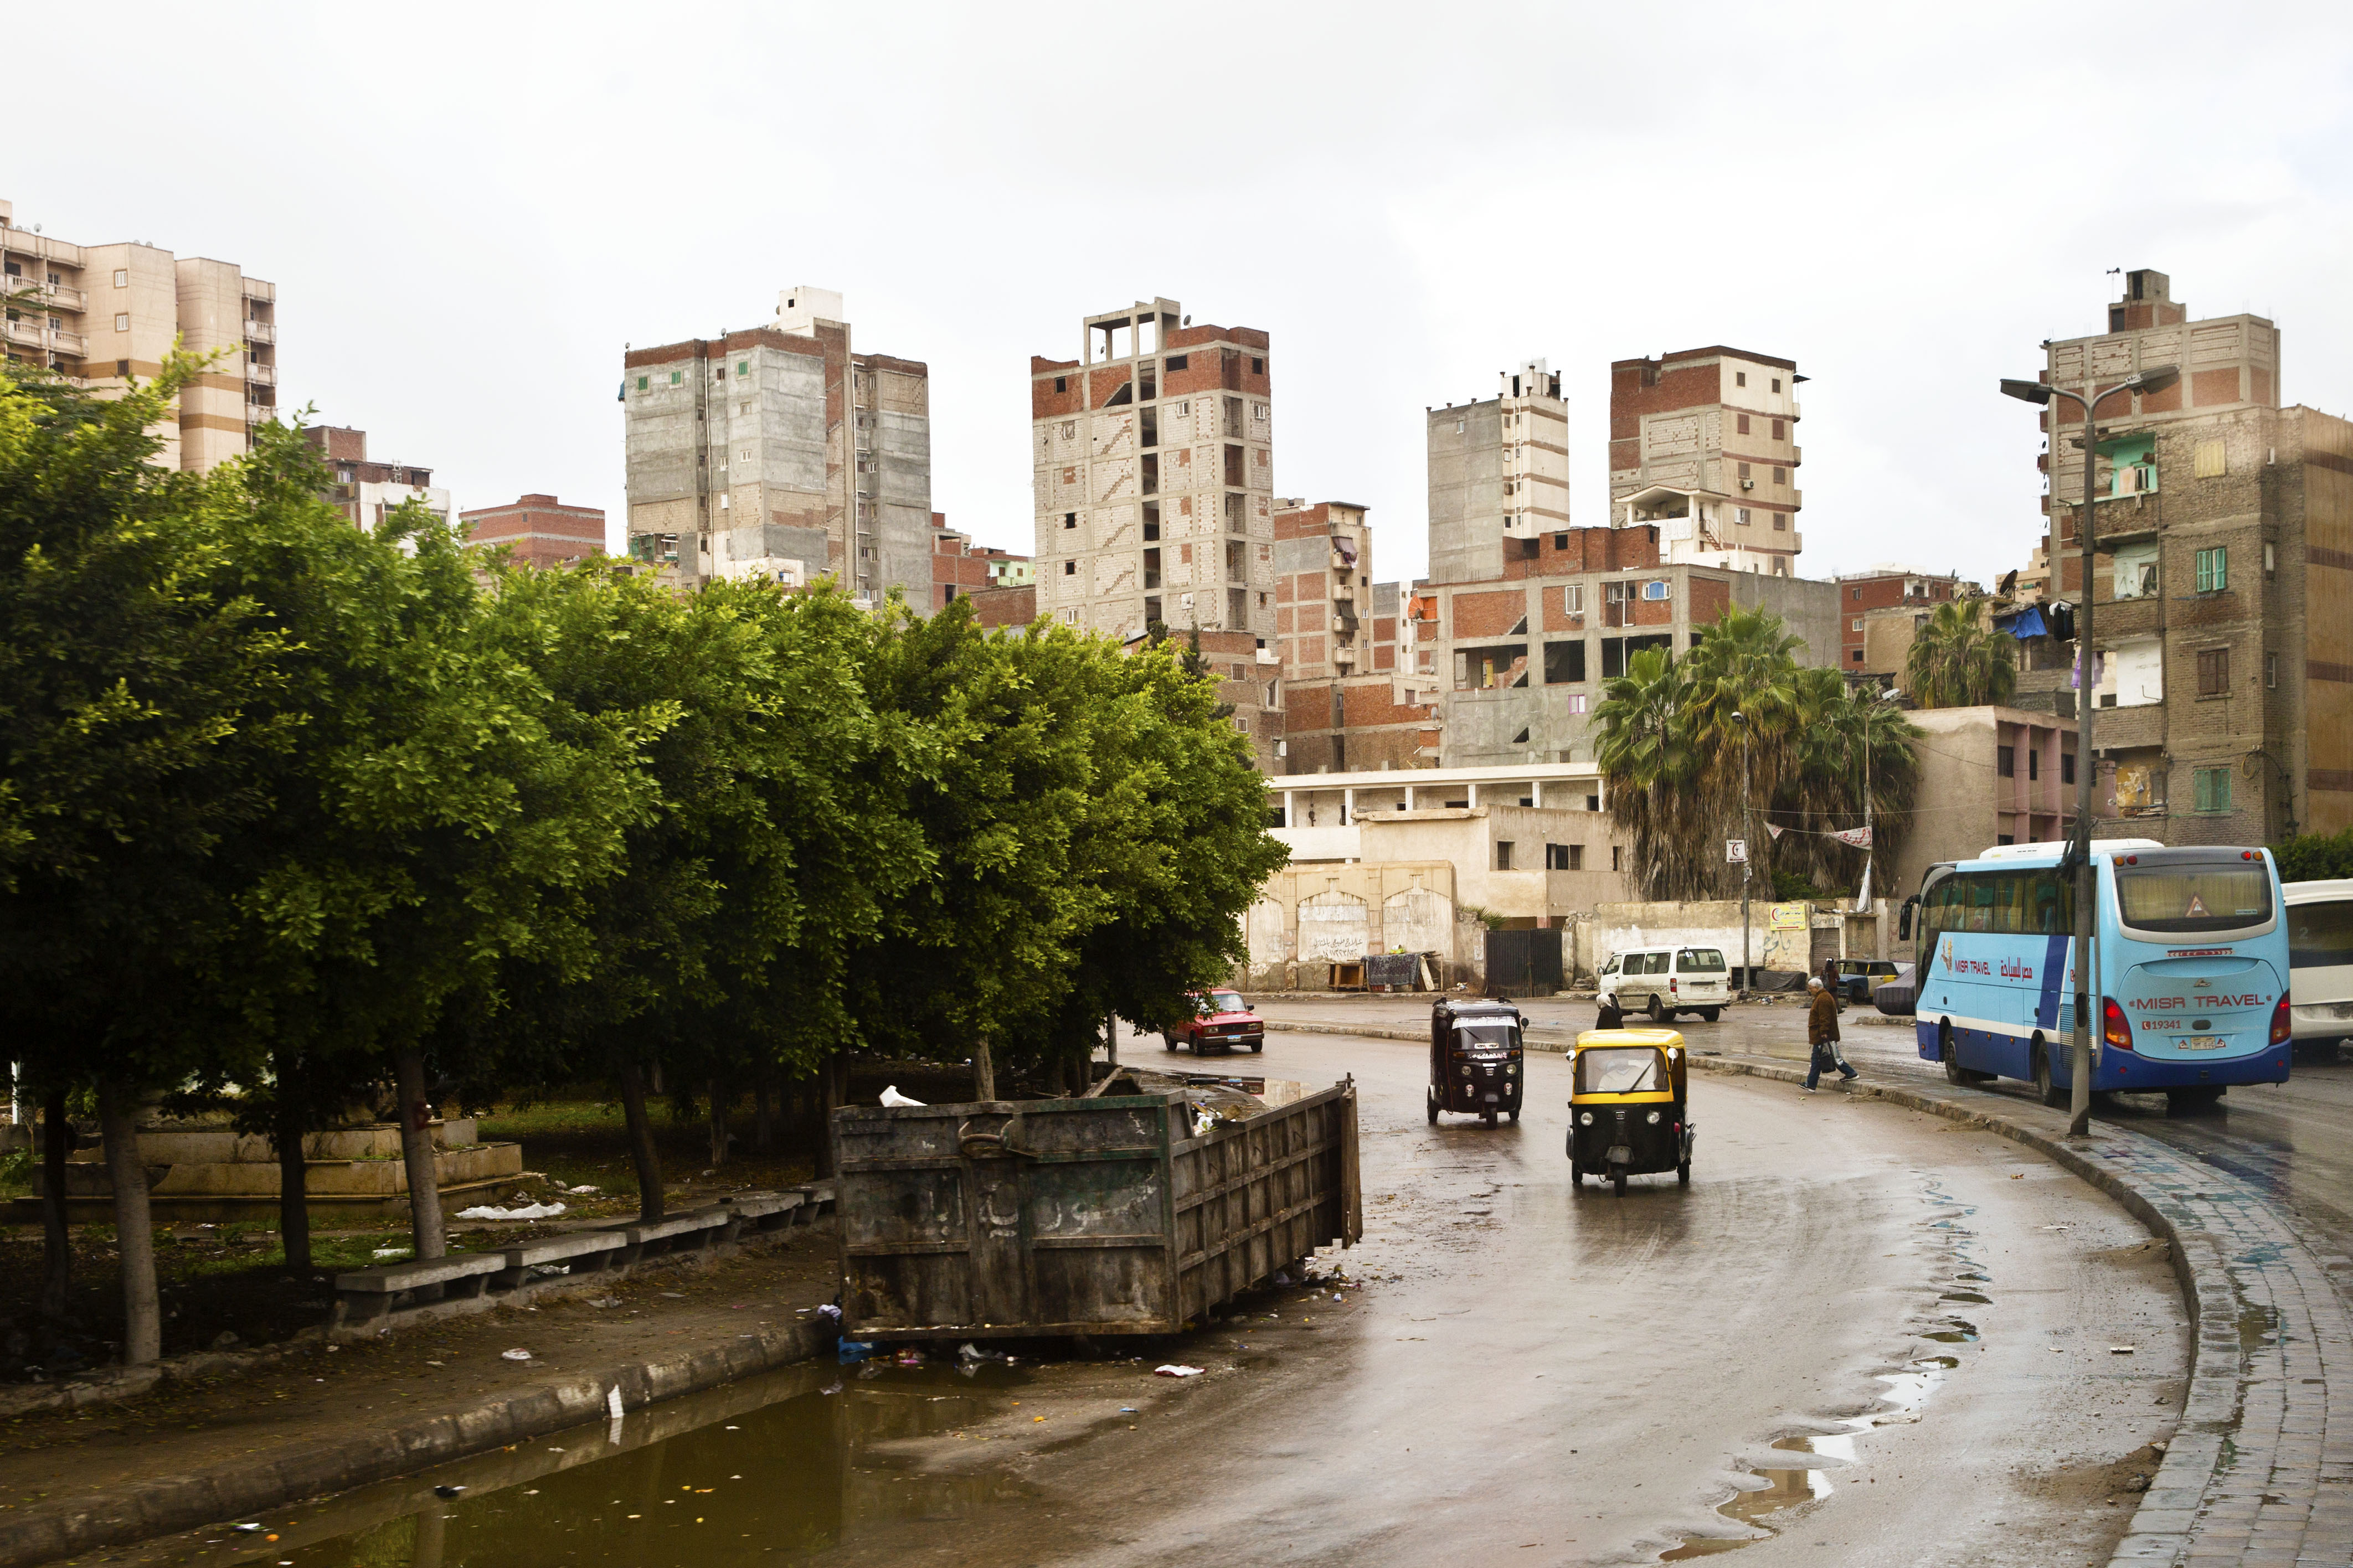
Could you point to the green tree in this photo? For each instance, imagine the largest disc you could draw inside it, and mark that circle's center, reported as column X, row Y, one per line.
column 1846, row 735
column 2316, row 856
column 141, row 713
column 1958, row 661
column 1649, row 772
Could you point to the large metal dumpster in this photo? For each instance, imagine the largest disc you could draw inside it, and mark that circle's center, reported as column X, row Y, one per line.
column 1066, row 1216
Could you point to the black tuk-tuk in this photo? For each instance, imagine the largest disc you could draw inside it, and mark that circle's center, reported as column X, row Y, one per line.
column 1475, row 1066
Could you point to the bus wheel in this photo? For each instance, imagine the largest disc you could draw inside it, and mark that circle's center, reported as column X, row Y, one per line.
column 2189, row 1101
column 1954, row 1071
column 2050, row 1093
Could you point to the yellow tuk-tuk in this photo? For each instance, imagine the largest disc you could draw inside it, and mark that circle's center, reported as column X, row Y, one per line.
column 1629, row 1115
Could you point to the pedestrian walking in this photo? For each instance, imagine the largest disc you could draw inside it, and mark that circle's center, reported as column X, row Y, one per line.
column 1830, row 975
column 1822, row 1034
column 1609, row 1016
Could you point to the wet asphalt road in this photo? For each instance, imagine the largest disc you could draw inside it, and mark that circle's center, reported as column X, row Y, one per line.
column 1887, row 1335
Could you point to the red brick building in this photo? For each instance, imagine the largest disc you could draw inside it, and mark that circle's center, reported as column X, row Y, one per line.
column 540, row 530
column 961, row 570
column 1336, row 633
column 1704, row 443
column 1882, row 588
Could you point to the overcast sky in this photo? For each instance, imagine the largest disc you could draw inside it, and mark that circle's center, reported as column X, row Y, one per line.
column 469, row 209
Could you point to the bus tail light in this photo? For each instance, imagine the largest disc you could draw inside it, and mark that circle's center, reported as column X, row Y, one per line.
column 2281, row 1026
column 2114, row 1027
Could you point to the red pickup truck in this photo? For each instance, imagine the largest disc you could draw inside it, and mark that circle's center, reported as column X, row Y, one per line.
column 1220, row 1019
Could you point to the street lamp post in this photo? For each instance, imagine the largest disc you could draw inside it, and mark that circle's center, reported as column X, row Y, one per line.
column 1747, row 853
column 2079, row 849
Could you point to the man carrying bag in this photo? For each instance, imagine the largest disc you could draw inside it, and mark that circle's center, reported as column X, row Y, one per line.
column 1822, row 1033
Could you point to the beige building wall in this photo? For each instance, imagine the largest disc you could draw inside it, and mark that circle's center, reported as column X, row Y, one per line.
column 1966, row 802
column 102, row 315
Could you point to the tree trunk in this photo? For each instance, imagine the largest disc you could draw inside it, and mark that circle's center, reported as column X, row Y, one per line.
column 134, row 1231
column 983, row 1071
column 416, row 1155
column 830, row 1076
column 641, row 1142
column 762, row 1139
column 294, row 1180
column 718, row 1125
column 56, row 1250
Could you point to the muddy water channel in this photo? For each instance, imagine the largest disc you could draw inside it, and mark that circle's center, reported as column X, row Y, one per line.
column 780, row 1470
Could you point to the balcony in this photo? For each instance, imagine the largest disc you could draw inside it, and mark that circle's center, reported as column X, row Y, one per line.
column 26, row 333
column 261, row 375
column 65, row 342
column 260, row 332
column 47, row 295
column 254, row 289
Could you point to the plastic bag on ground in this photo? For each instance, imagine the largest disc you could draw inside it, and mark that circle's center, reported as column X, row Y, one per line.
column 530, row 1211
column 890, row 1095
column 514, row 1355
column 1172, row 1370
column 850, row 1351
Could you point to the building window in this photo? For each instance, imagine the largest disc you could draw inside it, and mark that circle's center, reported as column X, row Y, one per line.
column 2212, row 788
column 742, row 367
column 2213, row 574
column 1258, row 412
column 1503, row 854
column 2208, row 460
column 1781, row 522
column 1858, row 594
column 2033, row 763
column 1744, row 473
column 122, row 278
column 2214, row 672
column 1780, row 475
column 1655, row 590
column 1070, row 568
column 1062, row 384
column 1178, row 362
column 2066, row 767
column 1776, row 427
column 1070, row 519
column 2271, row 559
column 1572, row 599
column 1777, row 383
column 1579, row 701
column 641, row 383
column 2006, row 762
column 121, row 321
column 1740, row 516
column 1856, row 655
column 1564, row 662
column 1740, row 378
column 1070, row 617
column 676, row 377
column 2271, row 673
column 1617, row 858
column 1744, row 423
column 1258, row 366
column 1855, row 624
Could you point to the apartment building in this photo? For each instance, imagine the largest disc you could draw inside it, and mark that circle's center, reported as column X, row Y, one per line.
column 1350, row 698
column 781, row 453
column 1249, row 677
column 1887, row 587
column 101, row 315
column 540, row 530
column 1518, row 663
column 1703, row 445
column 961, row 570
column 1498, row 475
column 1987, row 777
column 2223, row 662
column 1154, row 476
column 365, row 489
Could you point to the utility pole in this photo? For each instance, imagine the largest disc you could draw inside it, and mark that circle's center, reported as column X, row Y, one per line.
column 2079, row 849
column 1747, row 855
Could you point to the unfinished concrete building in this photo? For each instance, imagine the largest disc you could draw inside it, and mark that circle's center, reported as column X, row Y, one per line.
column 780, row 453
column 102, row 315
column 1498, row 474
column 1349, row 698
column 2223, row 580
column 1703, row 445
column 1154, row 474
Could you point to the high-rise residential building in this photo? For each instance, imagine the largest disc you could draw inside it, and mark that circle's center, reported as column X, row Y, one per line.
column 1498, row 475
column 102, row 314
column 960, row 568
column 1348, row 696
column 2223, row 583
column 365, row 489
column 1154, row 474
column 1703, row 444
column 540, row 530
column 780, row 453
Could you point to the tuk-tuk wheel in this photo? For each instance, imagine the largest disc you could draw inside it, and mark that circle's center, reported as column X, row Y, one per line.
column 1488, row 1115
column 1683, row 1173
column 1618, row 1176
column 1514, row 1113
column 1429, row 1102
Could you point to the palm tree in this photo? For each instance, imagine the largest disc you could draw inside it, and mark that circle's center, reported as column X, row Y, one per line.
column 1843, row 728
column 1647, row 771
column 1959, row 661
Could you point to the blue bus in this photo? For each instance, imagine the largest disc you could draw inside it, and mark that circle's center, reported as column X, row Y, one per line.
column 2192, row 954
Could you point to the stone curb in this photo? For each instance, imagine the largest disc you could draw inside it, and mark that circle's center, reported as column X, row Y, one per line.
column 168, row 1503
column 2195, row 1485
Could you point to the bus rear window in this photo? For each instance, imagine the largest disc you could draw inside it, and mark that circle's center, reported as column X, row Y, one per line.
column 2320, row 936
column 2189, row 896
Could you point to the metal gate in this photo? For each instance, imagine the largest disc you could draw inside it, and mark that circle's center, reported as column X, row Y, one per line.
column 1524, row 962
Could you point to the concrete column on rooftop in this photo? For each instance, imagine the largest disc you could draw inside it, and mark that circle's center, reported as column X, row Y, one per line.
column 1474, row 797
column 1409, row 798
column 1347, row 806
column 1290, row 810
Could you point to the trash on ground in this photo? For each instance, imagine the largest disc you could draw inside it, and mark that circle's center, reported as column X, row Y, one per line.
column 612, row 1401
column 890, row 1095
column 529, row 1211
column 973, row 1353
column 392, row 1251
column 605, row 1301
column 446, row 1489
column 850, row 1351
column 248, row 1529
column 675, row 1295
column 1173, row 1370
column 829, row 1311
column 1127, row 1410
column 514, row 1355
column 2121, row 1350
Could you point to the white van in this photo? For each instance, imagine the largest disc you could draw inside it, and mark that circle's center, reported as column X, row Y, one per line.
column 1665, row 980
column 2320, row 961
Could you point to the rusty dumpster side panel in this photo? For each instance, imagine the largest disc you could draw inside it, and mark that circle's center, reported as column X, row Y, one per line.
column 1065, row 1216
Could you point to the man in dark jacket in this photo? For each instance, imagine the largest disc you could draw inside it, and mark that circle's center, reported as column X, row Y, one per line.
column 1822, row 1034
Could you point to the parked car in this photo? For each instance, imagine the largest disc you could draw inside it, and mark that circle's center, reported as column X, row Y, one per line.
column 1858, row 977
column 1222, row 1020
column 1665, row 980
column 1896, row 994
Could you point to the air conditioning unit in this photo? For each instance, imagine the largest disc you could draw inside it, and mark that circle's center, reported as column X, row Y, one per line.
column 1748, row 484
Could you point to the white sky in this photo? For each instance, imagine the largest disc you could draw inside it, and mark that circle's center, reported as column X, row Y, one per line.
column 469, row 209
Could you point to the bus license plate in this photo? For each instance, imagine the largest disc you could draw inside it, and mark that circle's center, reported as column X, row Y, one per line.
column 2202, row 1044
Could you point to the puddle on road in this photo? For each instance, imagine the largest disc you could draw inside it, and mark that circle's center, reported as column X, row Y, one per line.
column 797, row 1469
column 1778, row 1489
